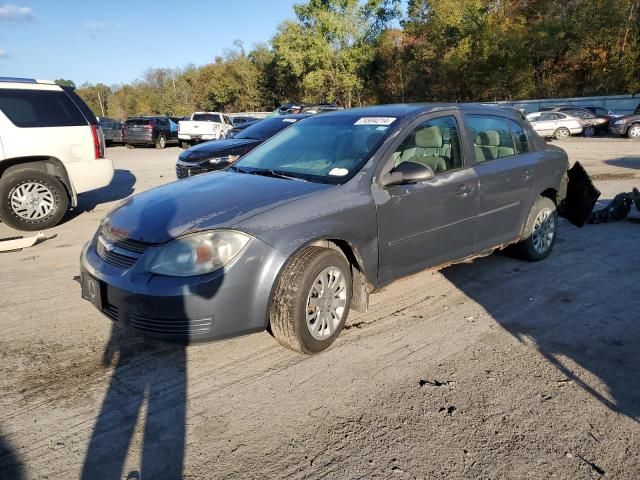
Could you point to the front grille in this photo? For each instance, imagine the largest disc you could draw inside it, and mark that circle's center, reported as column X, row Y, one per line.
column 170, row 326
column 114, row 258
column 110, row 311
column 126, row 243
column 185, row 172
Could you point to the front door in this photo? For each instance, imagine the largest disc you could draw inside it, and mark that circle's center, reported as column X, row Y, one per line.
column 432, row 222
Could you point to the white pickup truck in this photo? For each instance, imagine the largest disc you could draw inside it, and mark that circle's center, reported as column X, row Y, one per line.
column 203, row 126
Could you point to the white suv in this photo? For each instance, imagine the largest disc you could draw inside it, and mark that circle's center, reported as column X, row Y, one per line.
column 51, row 150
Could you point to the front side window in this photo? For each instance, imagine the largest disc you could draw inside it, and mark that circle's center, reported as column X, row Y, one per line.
column 434, row 143
column 492, row 137
column 325, row 149
column 520, row 137
column 40, row 108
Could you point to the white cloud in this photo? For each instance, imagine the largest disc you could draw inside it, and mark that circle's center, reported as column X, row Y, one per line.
column 13, row 13
column 3, row 53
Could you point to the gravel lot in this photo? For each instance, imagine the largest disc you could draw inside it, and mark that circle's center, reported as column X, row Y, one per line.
column 493, row 369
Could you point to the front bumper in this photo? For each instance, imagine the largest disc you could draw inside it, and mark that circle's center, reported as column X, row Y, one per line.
column 618, row 129
column 232, row 301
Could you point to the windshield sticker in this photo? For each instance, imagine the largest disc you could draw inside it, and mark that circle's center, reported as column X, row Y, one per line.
column 375, row 121
column 339, row 172
column 289, row 120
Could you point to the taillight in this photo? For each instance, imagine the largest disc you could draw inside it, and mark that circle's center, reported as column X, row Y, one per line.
column 148, row 126
column 98, row 145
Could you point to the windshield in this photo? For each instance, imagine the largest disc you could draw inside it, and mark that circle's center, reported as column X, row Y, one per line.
column 326, row 148
column 206, row 117
column 266, row 128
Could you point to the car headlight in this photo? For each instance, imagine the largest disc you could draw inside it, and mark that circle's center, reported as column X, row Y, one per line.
column 225, row 159
column 199, row 253
column 618, row 122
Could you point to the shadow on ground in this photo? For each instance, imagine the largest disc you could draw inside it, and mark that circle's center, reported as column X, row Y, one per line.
column 10, row 465
column 121, row 186
column 579, row 306
column 625, row 162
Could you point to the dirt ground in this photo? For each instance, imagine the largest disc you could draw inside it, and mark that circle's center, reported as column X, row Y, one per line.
column 494, row 369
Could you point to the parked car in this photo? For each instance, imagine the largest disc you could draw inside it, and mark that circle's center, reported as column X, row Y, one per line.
column 242, row 119
column 239, row 128
column 628, row 126
column 112, row 130
column 216, row 155
column 203, row 126
column 591, row 124
column 306, row 225
column 141, row 131
column 602, row 112
column 51, row 150
column 555, row 124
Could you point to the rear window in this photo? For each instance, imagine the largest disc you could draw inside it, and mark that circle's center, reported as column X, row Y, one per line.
column 138, row 122
column 84, row 108
column 207, row 117
column 40, row 108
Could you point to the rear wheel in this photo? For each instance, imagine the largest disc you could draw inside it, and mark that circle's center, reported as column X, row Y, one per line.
column 561, row 133
column 540, row 231
column 184, row 144
column 634, row 132
column 161, row 142
column 32, row 200
column 589, row 131
column 311, row 301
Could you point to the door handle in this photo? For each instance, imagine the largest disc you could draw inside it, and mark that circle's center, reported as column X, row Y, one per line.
column 528, row 173
column 464, row 190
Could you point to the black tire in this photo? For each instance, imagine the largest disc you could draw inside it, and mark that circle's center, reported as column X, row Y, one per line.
column 634, row 132
column 288, row 307
column 184, row 145
column 527, row 246
column 128, row 145
column 561, row 133
column 13, row 180
column 161, row 142
column 589, row 131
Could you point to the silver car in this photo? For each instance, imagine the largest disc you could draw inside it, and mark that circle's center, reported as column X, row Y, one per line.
column 305, row 226
column 555, row 124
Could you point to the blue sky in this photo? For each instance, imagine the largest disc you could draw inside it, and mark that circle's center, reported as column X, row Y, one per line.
column 115, row 41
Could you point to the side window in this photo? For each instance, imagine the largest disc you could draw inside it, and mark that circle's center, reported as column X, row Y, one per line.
column 435, row 143
column 492, row 137
column 520, row 137
column 40, row 108
column 546, row 116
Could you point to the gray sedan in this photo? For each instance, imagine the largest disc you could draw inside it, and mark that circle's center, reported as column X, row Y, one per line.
column 303, row 228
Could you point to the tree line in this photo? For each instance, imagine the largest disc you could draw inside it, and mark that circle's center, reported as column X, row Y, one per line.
column 360, row 52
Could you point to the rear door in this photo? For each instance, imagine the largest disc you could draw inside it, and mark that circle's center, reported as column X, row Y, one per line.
column 428, row 223
column 545, row 124
column 505, row 168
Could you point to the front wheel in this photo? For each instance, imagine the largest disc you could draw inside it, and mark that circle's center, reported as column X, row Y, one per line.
column 589, row 131
column 540, row 232
column 634, row 132
column 184, row 145
column 311, row 300
column 32, row 200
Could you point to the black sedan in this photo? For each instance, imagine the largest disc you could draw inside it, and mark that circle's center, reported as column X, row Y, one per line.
column 219, row 154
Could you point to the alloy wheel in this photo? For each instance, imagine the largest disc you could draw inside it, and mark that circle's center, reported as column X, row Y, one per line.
column 32, row 201
column 544, row 230
column 326, row 303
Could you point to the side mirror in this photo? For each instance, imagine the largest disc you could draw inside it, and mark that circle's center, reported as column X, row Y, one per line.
column 407, row 172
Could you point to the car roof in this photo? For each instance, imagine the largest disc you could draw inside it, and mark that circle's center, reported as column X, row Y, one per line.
column 298, row 116
column 412, row 109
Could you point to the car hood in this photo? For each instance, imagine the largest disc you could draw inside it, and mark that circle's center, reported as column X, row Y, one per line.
column 214, row 200
column 217, row 147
